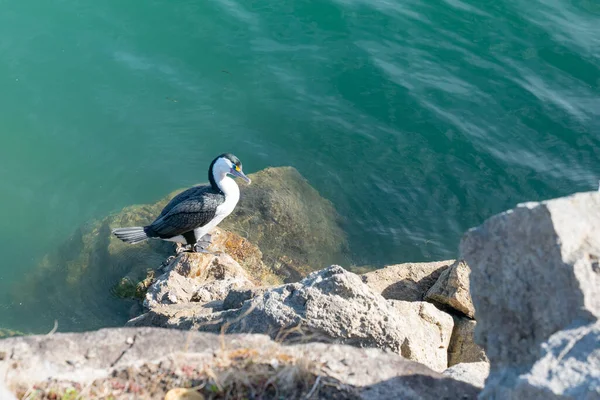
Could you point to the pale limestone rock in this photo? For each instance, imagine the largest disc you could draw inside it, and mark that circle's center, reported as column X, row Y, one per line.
column 569, row 366
column 408, row 282
column 197, row 277
column 452, row 290
column 127, row 357
column 428, row 331
column 535, row 272
column 331, row 304
column 5, row 394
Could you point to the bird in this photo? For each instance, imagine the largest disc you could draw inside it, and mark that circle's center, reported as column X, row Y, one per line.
column 190, row 216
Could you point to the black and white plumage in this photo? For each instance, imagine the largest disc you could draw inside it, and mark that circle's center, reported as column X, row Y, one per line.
column 192, row 214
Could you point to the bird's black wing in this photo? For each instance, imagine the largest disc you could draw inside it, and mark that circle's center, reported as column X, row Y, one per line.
column 195, row 191
column 188, row 214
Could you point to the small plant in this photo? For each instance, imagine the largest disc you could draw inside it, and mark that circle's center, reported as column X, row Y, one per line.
column 70, row 394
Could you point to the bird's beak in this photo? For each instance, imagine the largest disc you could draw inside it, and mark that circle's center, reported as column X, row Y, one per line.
column 240, row 174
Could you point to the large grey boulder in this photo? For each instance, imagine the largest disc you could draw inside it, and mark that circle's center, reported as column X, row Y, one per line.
column 126, row 363
column 329, row 305
column 569, row 367
column 408, row 281
column 534, row 272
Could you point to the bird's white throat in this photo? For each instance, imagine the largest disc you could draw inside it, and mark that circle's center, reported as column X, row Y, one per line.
column 229, row 188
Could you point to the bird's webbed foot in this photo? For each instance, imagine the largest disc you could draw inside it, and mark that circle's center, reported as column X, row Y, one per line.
column 201, row 247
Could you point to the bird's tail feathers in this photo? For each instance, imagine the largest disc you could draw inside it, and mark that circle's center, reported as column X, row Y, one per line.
column 134, row 234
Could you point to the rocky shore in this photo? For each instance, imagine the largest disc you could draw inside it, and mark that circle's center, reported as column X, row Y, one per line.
column 515, row 317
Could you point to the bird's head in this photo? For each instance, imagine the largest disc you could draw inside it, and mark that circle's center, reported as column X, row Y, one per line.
column 228, row 164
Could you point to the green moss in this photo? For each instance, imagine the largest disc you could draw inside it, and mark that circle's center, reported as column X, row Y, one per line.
column 125, row 289
column 5, row 333
column 70, row 394
column 128, row 288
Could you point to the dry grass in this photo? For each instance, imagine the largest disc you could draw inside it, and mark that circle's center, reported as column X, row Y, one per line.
column 270, row 372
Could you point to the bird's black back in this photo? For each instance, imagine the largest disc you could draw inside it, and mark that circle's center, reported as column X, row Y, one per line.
column 190, row 209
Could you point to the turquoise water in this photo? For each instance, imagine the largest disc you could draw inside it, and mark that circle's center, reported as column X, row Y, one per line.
column 417, row 119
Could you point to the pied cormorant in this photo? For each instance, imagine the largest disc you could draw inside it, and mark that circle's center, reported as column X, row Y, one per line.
column 190, row 216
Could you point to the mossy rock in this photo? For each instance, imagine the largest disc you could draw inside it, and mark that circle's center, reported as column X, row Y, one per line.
column 295, row 229
column 5, row 333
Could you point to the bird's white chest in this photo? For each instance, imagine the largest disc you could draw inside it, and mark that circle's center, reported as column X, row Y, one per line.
column 232, row 196
column 227, row 206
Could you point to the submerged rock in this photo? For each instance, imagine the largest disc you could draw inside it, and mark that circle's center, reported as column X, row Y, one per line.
column 4, row 333
column 331, row 304
column 292, row 225
column 295, row 228
column 534, row 273
column 125, row 363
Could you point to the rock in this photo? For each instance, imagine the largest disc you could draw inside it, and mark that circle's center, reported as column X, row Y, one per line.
column 452, row 290
column 294, row 227
column 236, row 297
column 463, row 348
column 183, row 394
column 569, row 367
column 128, row 362
column 408, row 282
column 246, row 254
column 5, row 394
column 197, row 277
column 427, row 337
column 331, row 304
column 534, row 272
column 474, row 373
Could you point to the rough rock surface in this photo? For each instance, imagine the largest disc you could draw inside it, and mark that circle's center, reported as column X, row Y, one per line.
column 474, row 373
column 463, row 348
column 452, row 290
column 331, row 304
column 408, row 282
column 199, row 278
column 534, row 272
column 5, row 394
column 293, row 226
column 236, row 297
column 569, row 367
column 125, row 362
column 424, row 327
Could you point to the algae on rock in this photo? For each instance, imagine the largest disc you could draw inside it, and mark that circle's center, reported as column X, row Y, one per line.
column 6, row 333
